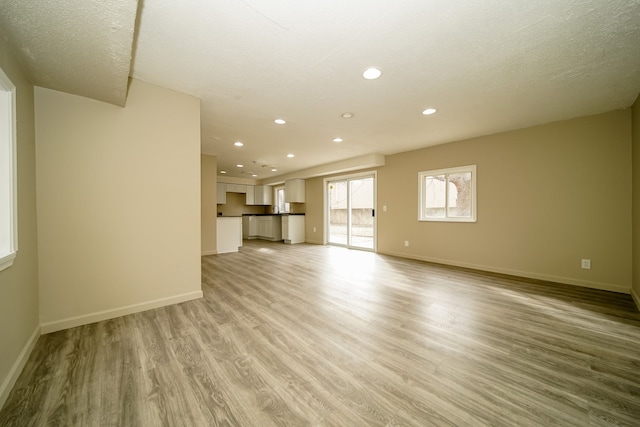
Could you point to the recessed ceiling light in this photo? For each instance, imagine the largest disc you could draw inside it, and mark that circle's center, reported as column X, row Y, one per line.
column 429, row 111
column 238, row 144
column 290, row 155
column 239, row 165
column 337, row 139
column 371, row 73
column 280, row 121
column 254, row 175
column 274, row 170
column 346, row 115
column 223, row 171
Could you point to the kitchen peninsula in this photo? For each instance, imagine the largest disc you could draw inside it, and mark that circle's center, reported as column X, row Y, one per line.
column 229, row 236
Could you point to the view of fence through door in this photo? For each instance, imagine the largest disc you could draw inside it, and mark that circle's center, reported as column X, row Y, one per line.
column 351, row 215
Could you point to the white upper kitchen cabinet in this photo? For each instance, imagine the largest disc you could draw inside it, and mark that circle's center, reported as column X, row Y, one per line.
column 251, row 196
column 221, row 197
column 236, row 188
column 294, row 191
column 263, row 195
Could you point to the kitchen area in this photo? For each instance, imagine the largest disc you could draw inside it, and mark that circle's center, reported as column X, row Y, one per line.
column 268, row 212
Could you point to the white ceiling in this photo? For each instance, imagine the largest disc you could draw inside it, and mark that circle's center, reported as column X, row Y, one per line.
column 76, row 46
column 487, row 66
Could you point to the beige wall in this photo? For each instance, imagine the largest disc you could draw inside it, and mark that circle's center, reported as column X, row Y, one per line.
column 208, row 194
column 236, row 206
column 298, row 208
column 314, row 216
column 19, row 324
column 118, row 203
column 636, row 200
column 548, row 196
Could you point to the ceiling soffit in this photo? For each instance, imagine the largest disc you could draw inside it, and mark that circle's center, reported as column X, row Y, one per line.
column 76, row 46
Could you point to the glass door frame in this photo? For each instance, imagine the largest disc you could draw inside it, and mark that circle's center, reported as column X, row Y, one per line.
column 325, row 206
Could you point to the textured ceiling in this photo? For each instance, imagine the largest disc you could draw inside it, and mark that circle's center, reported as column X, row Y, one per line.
column 81, row 47
column 487, row 66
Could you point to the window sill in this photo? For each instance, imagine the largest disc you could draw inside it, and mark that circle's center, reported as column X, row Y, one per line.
column 447, row 220
column 6, row 261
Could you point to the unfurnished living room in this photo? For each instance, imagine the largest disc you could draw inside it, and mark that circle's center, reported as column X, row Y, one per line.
column 322, row 213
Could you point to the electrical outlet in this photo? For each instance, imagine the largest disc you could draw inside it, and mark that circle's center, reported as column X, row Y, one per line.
column 384, row 208
column 586, row 264
column 314, row 229
column 406, row 243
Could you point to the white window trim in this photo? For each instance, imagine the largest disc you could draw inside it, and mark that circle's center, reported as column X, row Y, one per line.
column 275, row 199
column 448, row 171
column 7, row 255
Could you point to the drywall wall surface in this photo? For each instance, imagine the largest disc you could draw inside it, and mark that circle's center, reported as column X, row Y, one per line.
column 118, row 203
column 314, row 207
column 19, row 323
column 208, row 194
column 548, row 196
column 635, row 132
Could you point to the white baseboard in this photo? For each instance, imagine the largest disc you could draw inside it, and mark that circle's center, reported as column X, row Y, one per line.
column 314, row 242
column 72, row 322
column 206, row 253
column 16, row 369
column 518, row 273
column 636, row 298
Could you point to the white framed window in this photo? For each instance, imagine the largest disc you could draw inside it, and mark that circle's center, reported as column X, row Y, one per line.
column 8, row 177
column 281, row 205
column 448, row 195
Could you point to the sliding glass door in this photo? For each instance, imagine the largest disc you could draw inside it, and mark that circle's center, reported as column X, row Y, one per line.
column 338, row 223
column 351, row 212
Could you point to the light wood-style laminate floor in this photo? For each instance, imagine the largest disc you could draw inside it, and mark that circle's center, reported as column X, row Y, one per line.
column 323, row 336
